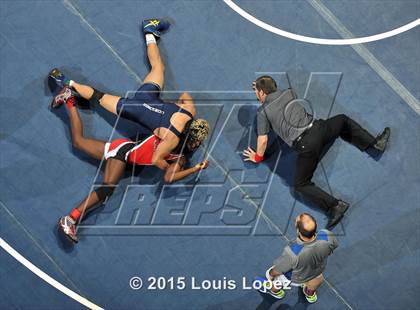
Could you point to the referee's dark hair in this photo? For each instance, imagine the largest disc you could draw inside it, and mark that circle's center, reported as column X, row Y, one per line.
column 302, row 230
column 266, row 84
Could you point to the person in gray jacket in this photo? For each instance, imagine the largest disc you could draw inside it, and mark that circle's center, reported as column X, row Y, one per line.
column 283, row 113
column 304, row 260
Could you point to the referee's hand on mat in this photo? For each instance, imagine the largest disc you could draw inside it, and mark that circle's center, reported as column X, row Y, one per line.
column 249, row 155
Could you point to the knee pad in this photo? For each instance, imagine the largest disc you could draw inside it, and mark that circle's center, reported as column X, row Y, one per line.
column 104, row 191
column 97, row 95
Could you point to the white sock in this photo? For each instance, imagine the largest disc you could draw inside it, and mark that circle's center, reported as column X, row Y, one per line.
column 71, row 83
column 150, row 39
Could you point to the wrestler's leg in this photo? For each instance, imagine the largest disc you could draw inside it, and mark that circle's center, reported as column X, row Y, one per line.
column 83, row 90
column 157, row 72
column 114, row 170
column 152, row 29
column 92, row 147
column 107, row 101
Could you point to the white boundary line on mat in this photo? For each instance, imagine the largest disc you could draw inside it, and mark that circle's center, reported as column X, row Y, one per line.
column 297, row 37
column 54, row 283
column 367, row 56
column 349, row 39
column 75, row 10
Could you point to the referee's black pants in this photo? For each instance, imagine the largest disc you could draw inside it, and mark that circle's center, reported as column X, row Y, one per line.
column 310, row 148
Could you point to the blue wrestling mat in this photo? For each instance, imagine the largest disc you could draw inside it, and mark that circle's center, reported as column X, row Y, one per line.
column 200, row 242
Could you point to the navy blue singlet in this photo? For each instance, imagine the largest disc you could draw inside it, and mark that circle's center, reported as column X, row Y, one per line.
column 147, row 109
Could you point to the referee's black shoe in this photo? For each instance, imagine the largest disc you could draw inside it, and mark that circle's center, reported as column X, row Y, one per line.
column 382, row 140
column 336, row 214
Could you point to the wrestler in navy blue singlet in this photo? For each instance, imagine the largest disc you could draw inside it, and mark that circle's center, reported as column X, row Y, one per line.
column 147, row 109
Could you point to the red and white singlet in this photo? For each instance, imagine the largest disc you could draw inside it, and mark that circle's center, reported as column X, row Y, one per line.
column 141, row 154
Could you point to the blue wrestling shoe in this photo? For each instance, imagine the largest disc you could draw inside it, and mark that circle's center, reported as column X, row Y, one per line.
column 59, row 78
column 155, row 26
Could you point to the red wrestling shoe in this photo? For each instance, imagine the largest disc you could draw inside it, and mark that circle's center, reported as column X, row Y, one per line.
column 64, row 96
column 67, row 225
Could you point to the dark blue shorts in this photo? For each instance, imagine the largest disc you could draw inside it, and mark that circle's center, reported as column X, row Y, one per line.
column 144, row 108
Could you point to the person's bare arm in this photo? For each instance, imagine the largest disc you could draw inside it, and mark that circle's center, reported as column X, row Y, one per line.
column 164, row 148
column 177, row 171
column 262, row 144
column 273, row 273
column 249, row 153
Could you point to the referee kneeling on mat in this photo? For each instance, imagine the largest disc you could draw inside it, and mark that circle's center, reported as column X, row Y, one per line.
column 304, row 259
column 281, row 111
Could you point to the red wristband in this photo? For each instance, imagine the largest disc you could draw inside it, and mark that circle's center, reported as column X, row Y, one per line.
column 258, row 158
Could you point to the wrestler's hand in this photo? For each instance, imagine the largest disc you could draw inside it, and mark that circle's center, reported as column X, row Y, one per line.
column 203, row 165
column 249, row 155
